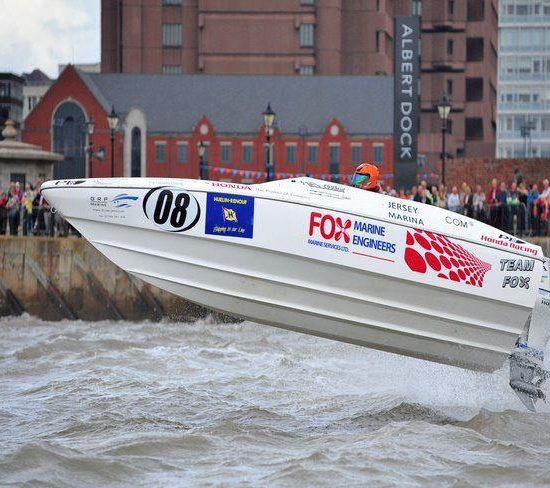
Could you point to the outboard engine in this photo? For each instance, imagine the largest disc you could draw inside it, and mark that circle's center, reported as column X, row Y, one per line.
column 527, row 371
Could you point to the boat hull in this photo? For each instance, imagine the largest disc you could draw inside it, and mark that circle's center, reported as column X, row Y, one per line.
column 277, row 276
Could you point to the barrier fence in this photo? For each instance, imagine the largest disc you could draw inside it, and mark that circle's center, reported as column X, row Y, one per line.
column 518, row 219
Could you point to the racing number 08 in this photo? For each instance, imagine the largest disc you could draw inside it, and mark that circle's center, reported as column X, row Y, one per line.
column 173, row 210
column 164, row 209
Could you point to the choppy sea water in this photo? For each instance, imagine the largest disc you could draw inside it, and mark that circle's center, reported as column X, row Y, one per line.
column 204, row 404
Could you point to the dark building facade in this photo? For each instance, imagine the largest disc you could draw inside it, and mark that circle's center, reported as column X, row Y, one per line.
column 459, row 58
column 11, row 99
column 323, row 126
column 322, row 37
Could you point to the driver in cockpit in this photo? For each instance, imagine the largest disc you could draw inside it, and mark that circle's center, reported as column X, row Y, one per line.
column 366, row 178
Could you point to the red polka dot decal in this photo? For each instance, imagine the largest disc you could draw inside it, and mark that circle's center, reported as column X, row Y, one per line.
column 429, row 252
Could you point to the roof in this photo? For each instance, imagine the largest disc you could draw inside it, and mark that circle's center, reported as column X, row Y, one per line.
column 11, row 76
column 234, row 104
column 37, row 77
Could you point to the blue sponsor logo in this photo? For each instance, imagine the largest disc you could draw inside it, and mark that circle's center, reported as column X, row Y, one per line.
column 124, row 200
column 371, row 239
column 229, row 215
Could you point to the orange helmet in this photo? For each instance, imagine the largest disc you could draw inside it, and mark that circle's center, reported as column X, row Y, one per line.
column 365, row 177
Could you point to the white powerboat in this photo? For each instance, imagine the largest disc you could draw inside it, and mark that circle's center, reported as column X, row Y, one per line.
column 329, row 260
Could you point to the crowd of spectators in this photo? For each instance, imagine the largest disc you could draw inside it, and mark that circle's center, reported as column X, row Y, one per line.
column 24, row 211
column 516, row 207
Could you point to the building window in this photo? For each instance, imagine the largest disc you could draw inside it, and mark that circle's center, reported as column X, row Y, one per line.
column 171, row 2
column 474, row 128
column 247, row 153
column 449, row 126
column 417, row 7
column 306, row 35
column 334, row 161
column 160, row 152
column 5, row 111
column 182, row 152
column 474, row 89
column 19, row 177
column 291, row 153
column 450, row 46
column 522, row 10
column 356, row 153
column 135, row 152
column 306, row 70
column 449, row 87
column 451, row 7
column 171, row 35
column 307, row 2
column 475, row 11
column 171, row 69
column 378, row 154
column 474, row 49
column 225, row 152
column 334, row 154
column 312, row 153
column 377, row 40
column 31, row 102
column 5, row 89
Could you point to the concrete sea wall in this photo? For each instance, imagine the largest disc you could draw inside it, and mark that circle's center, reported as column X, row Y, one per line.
column 67, row 278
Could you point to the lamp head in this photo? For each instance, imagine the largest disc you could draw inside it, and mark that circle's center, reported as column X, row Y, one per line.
column 444, row 108
column 90, row 125
column 269, row 116
column 112, row 119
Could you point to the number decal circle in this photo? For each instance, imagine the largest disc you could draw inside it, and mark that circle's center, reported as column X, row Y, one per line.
column 171, row 209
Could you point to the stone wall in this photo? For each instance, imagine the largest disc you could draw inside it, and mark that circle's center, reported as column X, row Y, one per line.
column 482, row 171
column 67, row 278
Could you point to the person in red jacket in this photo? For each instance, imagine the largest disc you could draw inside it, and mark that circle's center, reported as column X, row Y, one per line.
column 366, row 178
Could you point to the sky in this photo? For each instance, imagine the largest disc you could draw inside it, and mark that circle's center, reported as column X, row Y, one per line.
column 44, row 33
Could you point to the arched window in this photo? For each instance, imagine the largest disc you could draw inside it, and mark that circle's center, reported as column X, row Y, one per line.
column 136, row 152
column 69, row 139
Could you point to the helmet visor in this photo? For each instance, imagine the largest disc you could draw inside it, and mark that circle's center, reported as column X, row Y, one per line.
column 359, row 180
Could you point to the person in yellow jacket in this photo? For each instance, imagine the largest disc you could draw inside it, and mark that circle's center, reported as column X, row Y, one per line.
column 28, row 198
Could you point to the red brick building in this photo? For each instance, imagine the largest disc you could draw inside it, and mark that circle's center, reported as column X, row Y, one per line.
column 325, row 126
column 322, row 37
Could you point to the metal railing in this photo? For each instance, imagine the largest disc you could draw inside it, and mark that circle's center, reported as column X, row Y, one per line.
column 514, row 218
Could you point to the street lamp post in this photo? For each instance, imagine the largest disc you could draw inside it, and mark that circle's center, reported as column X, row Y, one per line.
column 201, row 147
column 302, row 130
column 112, row 120
column 444, row 109
column 90, row 124
column 269, row 118
column 525, row 130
